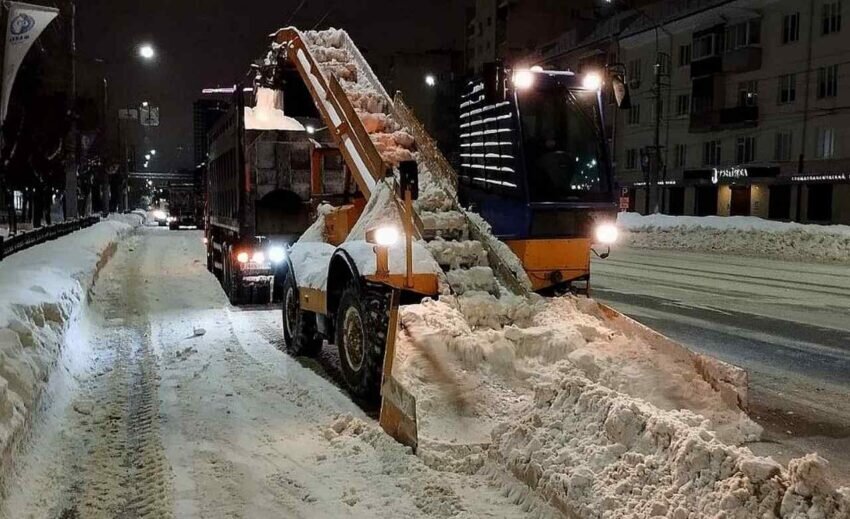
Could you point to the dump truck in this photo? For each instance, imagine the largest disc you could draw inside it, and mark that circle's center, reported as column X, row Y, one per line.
column 259, row 190
column 404, row 234
column 185, row 205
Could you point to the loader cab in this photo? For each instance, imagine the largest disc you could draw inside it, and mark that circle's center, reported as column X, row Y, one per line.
column 534, row 163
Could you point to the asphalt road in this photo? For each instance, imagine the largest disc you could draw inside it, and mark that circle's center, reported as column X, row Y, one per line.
column 786, row 323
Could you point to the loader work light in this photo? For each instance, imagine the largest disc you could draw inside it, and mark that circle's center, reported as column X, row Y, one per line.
column 592, row 81
column 607, row 234
column 385, row 236
column 523, row 79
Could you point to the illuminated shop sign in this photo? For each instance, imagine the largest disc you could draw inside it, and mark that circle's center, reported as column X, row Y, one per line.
column 728, row 173
column 659, row 183
column 826, row 177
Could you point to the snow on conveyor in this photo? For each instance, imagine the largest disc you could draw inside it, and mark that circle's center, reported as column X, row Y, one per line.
column 744, row 235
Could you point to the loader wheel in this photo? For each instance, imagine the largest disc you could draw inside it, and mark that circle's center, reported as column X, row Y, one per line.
column 362, row 321
column 300, row 337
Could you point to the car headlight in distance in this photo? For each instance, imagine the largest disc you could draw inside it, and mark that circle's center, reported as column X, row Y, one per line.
column 277, row 255
column 607, row 233
column 258, row 257
column 385, row 236
column 159, row 215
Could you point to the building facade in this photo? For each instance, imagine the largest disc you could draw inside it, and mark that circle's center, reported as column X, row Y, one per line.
column 747, row 103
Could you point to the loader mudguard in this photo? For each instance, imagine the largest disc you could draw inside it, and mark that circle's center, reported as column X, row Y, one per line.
column 341, row 271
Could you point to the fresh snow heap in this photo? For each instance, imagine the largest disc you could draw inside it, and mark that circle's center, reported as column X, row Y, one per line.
column 41, row 289
column 743, row 235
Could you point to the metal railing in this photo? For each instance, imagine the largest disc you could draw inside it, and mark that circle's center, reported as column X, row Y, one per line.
column 22, row 241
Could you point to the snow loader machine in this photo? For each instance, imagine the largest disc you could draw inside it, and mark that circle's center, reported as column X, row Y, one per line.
column 402, row 234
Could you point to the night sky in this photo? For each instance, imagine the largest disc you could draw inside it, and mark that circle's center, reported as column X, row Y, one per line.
column 207, row 43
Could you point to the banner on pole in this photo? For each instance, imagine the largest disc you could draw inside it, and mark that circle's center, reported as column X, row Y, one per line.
column 26, row 23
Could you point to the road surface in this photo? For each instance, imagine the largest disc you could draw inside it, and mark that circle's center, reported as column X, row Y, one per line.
column 787, row 323
column 168, row 402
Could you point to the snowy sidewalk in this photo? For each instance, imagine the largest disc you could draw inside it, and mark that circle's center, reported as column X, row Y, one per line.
column 742, row 235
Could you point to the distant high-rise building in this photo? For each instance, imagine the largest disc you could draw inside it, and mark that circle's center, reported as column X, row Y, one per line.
column 205, row 114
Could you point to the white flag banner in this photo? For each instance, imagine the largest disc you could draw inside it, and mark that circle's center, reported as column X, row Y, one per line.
column 26, row 23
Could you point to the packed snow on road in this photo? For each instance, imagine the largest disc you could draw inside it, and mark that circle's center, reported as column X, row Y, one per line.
column 528, row 408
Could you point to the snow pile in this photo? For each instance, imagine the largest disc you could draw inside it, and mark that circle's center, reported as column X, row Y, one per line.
column 738, row 235
column 41, row 289
column 605, row 423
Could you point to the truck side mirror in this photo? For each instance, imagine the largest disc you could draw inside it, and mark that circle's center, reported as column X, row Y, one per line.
column 622, row 94
column 494, row 83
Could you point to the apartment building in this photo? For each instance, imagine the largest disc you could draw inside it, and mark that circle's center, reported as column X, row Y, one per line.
column 750, row 100
column 509, row 30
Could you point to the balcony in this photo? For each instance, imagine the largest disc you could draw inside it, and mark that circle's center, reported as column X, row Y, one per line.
column 706, row 66
column 745, row 59
column 725, row 119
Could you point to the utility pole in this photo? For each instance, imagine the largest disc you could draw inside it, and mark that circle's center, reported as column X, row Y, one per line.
column 662, row 71
column 73, row 138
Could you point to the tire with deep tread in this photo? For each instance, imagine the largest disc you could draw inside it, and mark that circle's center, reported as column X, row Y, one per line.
column 370, row 304
column 300, row 336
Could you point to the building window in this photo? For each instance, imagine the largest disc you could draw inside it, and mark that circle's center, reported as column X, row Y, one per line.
column 745, row 151
column 711, row 153
column 783, row 146
column 831, row 17
column 683, row 105
column 681, row 155
column 634, row 114
column 748, row 93
column 791, row 28
column 743, row 35
column 635, row 70
column 827, row 81
column 704, row 47
column 631, row 159
column 684, row 55
column 787, row 88
column 825, row 143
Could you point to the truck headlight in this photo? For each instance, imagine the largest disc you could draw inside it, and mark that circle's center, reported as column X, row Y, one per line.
column 385, row 236
column 242, row 257
column 277, row 255
column 607, row 233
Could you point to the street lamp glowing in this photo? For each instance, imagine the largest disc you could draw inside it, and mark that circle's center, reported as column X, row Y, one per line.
column 145, row 104
column 146, row 51
column 430, row 80
column 148, row 157
column 153, row 152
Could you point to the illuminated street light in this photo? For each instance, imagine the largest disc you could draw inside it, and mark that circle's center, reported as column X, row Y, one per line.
column 146, row 51
column 148, row 157
column 153, row 152
column 430, row 80
column 145, row 104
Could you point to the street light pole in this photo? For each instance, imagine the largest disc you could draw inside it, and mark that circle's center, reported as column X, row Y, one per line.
column 72, row 166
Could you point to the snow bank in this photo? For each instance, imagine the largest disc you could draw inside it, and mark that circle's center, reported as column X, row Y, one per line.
column 599, row 422
column 41, row 289
column 738, row 235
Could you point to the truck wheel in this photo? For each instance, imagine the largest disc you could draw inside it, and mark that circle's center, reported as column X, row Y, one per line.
column 362, row 321
column 231, row 281
column 300, row 337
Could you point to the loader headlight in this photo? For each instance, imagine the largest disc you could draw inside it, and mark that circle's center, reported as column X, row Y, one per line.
column 523, row 79
column 277, row 255
column 385, row 236
column 592, row 81
column 607, row 233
